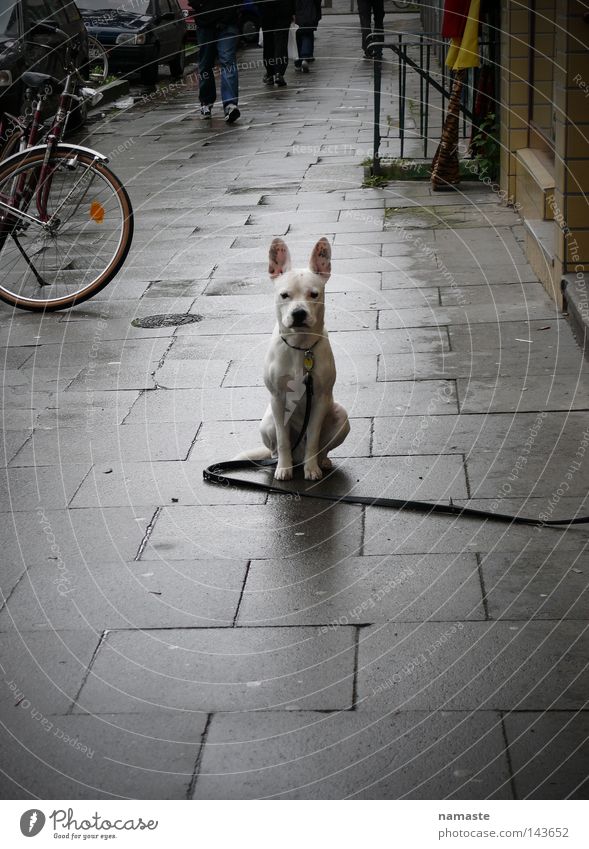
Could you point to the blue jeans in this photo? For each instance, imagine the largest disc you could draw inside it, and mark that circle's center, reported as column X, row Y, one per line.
column 305, row 44
column 221, row 43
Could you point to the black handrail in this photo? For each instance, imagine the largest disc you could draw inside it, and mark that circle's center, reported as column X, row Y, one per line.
column 425, row 42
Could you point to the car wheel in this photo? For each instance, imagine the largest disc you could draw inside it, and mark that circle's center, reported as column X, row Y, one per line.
column 150, row 74
column 178, row 63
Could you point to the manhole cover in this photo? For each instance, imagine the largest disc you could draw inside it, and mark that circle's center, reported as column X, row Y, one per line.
column 166, row 320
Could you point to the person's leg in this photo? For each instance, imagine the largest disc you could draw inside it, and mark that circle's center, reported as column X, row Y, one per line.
column 305, row 43
column 227, row 49
column 299, row 35
column 378, row 10
column 365, row 14
column 281, row 49
column 268, row 52
column 207, row 53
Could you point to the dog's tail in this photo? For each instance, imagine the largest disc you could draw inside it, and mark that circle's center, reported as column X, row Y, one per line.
column 262, row 453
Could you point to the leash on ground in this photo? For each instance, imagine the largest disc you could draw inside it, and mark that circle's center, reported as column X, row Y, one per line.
column 215, row 474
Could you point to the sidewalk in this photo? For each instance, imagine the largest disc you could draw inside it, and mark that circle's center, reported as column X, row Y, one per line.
column 163, row 638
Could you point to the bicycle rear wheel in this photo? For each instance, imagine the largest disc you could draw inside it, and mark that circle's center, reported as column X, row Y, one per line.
column 85, row 237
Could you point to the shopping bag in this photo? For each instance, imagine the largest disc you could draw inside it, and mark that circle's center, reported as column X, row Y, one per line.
column 293, row 50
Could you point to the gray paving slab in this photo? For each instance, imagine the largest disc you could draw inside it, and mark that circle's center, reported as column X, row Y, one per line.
column 190, row 405
column 120, row 484
column 522, row 394
column 285, row 526
column 362, row 590
column 522, row 585
column 151, row 441
column 306, row 755
column 46, row 488
column 528, row 338
column 344, row 344
column 43, row 670
column 11, row 443
column 473, row 666
column 408, row 532
column 225, row 440
column 92, row 535
column 250, row 372
column 221, row 669
column 547, row 752
column 484, row 363
column 197, row 593
column 121, row 756
column 467, row 314
column 78, row 353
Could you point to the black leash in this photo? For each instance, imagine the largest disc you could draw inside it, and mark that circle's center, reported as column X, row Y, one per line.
column 215, row 474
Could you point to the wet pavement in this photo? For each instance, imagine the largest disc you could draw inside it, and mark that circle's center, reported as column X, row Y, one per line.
column 163, row 638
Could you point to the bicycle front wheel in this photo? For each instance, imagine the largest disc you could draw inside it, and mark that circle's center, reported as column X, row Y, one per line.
column 72, row 236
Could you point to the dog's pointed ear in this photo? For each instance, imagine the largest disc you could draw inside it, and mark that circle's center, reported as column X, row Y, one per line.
column 278, row 258
column 320, row 262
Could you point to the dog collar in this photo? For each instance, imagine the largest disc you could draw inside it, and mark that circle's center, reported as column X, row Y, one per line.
column 309, row 359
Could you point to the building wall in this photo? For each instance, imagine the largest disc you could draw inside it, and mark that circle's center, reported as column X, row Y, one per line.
column 557, row 219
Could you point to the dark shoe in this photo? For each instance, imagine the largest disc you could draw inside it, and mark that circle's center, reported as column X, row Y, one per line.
column 232, row 113
column 268, row 79
column 280, row 81
column 206, row 111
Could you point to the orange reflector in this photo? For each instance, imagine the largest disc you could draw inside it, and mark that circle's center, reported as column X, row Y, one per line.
column 97, row 212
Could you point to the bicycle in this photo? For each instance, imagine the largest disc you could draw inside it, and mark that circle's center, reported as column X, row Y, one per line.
column 98, row 61
column 66, row 221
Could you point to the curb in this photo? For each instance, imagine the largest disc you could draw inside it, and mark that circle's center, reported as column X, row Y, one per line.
column 112, row 91
column 576, row 303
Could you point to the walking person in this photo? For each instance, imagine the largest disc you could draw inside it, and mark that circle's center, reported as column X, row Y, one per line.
column 217, row 33
column 307, row 17
column 367, row 9
column 275, row 19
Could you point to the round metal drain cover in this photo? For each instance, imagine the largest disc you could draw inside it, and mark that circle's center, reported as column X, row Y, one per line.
column 166, row 320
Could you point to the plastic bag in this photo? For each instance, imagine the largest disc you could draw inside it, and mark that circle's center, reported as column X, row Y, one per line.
column 293, row 50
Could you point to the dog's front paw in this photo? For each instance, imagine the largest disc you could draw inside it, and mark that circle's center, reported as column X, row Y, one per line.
column 283, row 473
column 326, row 464
column 313, row 472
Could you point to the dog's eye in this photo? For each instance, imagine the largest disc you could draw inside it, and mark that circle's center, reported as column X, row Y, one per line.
column 284, row 295
column 314, row 294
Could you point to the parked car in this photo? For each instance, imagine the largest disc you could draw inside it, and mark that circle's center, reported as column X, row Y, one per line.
column 23, row 49
column 138, row 35
column 188, row 13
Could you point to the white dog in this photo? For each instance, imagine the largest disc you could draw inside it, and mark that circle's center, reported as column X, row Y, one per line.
column 300, row 347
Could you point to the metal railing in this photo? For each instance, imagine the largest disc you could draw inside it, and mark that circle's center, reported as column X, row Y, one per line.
column 418, row 55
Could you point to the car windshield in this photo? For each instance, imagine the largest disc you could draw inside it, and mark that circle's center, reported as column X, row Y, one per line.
column 132, row 7
column 8, row 19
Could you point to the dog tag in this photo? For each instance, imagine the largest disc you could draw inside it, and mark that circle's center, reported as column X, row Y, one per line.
column 308, row 361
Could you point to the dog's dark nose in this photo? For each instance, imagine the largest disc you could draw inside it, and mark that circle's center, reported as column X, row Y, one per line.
column 298, row 317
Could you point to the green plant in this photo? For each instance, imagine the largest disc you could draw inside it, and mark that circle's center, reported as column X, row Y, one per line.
column 375, row 181
column 485, row 147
